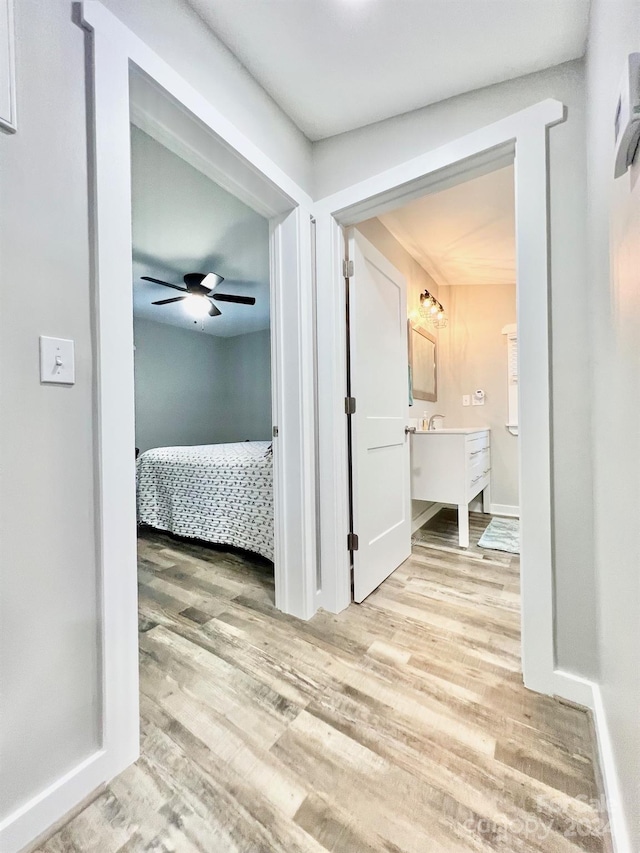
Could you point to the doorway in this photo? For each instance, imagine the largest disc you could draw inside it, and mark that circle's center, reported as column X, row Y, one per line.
column 130, row 81
column 432, row 288
column 520, row 140
column 203, row 426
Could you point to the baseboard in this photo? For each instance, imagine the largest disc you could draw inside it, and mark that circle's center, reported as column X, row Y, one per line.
column 30, row 821
column 39, row 843
column 504, row 509
column 584, row 692
column 617, row 818
column 426, row 515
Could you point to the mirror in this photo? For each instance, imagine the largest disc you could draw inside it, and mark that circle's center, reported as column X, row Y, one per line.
column 423, row 361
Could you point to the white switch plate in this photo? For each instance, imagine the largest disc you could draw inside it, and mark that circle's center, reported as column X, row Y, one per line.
column 57, row 361
column 466, row 399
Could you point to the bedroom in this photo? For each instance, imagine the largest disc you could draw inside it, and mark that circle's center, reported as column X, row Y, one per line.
column 202, row 379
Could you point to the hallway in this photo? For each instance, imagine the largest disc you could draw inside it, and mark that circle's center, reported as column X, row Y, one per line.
column 398, row 725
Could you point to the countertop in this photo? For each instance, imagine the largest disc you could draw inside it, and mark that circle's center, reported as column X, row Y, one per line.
column 459, row 431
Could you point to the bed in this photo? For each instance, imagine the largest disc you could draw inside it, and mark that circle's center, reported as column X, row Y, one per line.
column 220, row 493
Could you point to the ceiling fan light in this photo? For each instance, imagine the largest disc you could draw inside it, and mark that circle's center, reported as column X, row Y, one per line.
column 197, row 306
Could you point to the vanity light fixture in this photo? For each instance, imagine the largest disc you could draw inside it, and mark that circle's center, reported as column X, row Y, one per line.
column 432, row 311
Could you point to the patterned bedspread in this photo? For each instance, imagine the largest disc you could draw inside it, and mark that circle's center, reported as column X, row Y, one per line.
column 221, row 493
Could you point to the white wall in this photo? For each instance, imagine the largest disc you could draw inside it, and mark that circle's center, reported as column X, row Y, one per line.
column 49, row 609
column 194, row 388
column 473, row 354
column 343, row 160
column 614, row 299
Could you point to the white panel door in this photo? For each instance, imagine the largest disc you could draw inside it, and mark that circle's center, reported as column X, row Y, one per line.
column 379, row 445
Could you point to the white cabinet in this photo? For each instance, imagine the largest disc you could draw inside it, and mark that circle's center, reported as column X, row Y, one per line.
column 452, row 466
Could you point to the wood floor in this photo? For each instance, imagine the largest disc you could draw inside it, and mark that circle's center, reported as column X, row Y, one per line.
column 399, row 725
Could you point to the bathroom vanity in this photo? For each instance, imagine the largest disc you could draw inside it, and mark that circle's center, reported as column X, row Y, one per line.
column 452, row 466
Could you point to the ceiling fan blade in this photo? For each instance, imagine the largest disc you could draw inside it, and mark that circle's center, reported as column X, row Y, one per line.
column 212, row 280
column 231, row 297
column 213, row 311
column 168, row 301
column 164, row 283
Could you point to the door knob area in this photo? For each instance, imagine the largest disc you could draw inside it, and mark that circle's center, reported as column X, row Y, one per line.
column 409, row 430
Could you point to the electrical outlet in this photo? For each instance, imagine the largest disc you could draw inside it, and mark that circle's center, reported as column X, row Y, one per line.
column 466, row 399
column 478, row 398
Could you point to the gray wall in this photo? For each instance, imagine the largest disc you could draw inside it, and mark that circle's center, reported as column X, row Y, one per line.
column 343, row 160
column 49, row 606
column 614, row 297
column 248, row 387
column 194, row 388
column 48, row 599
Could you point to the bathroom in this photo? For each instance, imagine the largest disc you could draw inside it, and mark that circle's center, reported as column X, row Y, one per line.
column 456, row 251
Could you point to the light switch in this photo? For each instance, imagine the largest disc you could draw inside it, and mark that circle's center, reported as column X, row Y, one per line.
column 466, row 399
column 57, row 362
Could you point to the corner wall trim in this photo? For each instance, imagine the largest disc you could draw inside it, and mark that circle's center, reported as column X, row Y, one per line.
column 575, row 688
column 582, row 691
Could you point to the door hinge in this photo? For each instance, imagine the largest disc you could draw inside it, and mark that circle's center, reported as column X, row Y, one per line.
column 347, row 268
column 274, row 432
column 352, row 542
column 349, row 405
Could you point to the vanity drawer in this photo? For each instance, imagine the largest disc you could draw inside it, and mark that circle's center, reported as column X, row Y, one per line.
column 478, row 456
column 478, row 479
column 478, row 464
column 476, row 444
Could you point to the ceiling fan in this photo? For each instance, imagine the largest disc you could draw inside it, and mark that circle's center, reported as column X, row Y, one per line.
column 199, row 291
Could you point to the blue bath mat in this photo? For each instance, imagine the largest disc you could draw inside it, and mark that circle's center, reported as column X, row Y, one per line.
column 502, row 534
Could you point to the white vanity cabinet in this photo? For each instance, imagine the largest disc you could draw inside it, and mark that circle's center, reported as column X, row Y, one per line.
column 452, row 466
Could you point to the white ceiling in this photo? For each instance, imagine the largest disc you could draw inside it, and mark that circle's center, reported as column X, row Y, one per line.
column 184, row 222
column 334, row 65
column 464, row 234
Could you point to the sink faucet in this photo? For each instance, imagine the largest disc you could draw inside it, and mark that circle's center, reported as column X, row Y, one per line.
column 431, row 420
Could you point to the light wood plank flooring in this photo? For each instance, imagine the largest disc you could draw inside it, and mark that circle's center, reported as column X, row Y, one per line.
column 399, row 725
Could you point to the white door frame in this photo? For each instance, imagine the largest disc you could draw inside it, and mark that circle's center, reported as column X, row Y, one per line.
column 247, row 172
column 522, row 139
